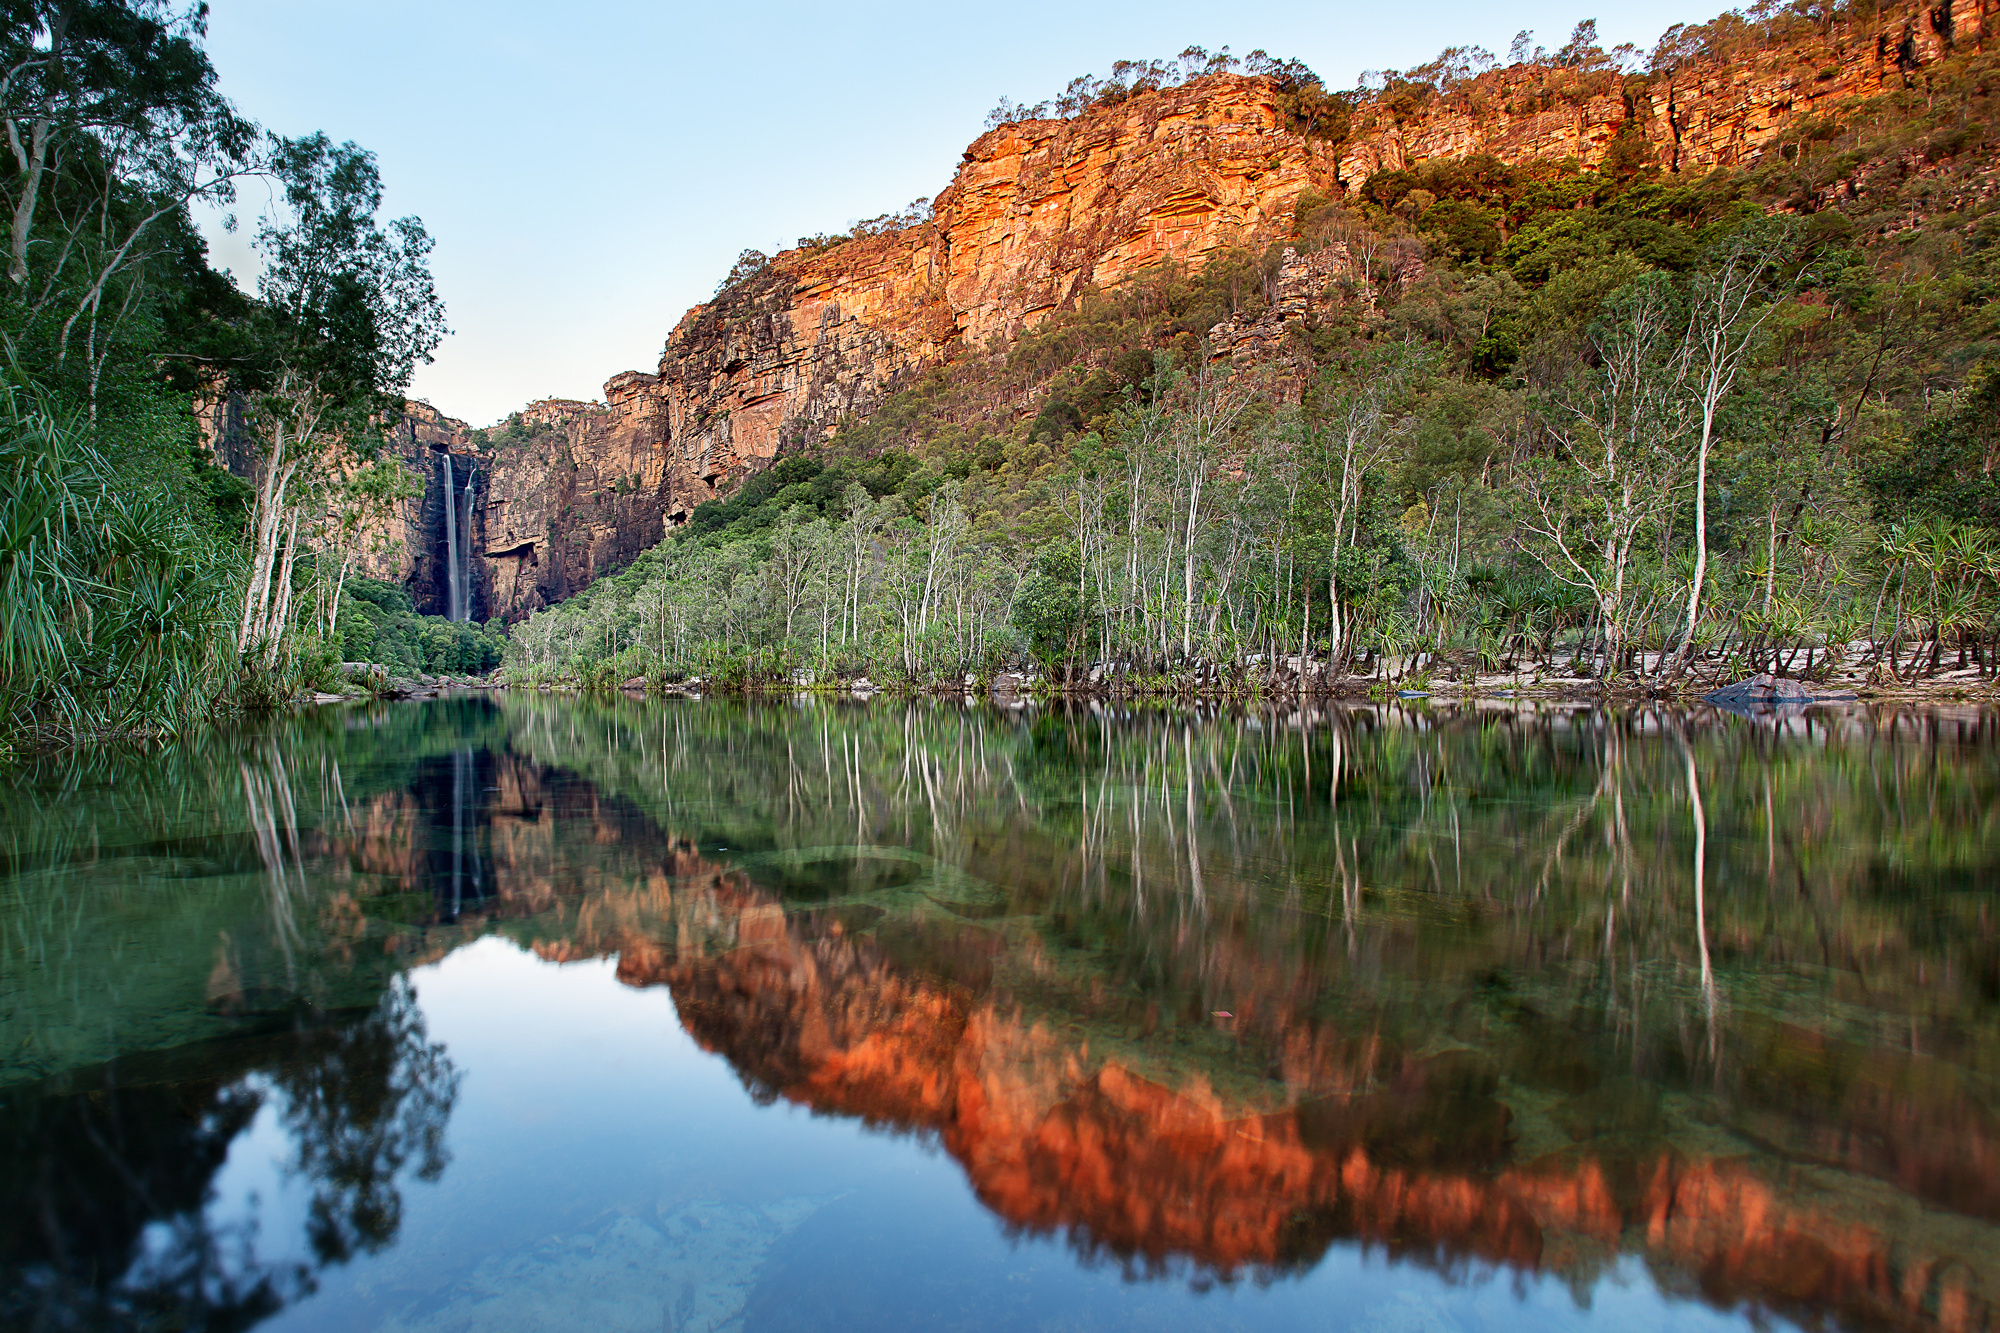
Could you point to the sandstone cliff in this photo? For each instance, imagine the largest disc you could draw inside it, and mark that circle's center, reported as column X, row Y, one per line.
column 1725, row 107
column 562, row 492
column 1040, row 209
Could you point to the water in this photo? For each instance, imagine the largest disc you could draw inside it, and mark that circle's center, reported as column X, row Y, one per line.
column 525, row 1012
column 464, row 588
column 455, row 603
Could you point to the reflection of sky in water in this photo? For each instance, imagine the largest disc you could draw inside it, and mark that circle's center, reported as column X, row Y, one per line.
column 607, row 1174
column 1228, row 1001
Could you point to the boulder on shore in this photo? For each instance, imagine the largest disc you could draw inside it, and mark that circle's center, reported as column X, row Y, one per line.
column 401, row 687
column 1768, row 691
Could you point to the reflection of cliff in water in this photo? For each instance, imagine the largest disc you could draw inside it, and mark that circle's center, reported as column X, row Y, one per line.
column 1748, row 1160
column 1155, row 1042
column 1415, row 1153
column 106, row 1216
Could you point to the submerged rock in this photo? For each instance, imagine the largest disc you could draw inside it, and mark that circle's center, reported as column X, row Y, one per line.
column 1767, row 689
column 693, row 1268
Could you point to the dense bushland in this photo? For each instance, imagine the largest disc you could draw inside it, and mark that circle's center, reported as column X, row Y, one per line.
column 143, row 588
column 1620, row 423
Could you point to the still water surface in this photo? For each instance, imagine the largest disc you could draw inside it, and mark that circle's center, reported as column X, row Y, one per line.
column 528, row 1013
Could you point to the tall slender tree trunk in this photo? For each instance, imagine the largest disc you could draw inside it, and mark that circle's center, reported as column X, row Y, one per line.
column 1686, row 653
column 1187, row 566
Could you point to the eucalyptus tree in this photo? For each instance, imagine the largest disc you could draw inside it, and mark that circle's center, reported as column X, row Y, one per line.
column 1207, row 408
column 78, row 69
column 1618, row 462
column 1729, row 303
column 1352, row 427
column 347, row 312
column 1136, row 442
column 1083, row 493
column 354, row 522
column 799, row 548
column 860, row 534
column 114, row 128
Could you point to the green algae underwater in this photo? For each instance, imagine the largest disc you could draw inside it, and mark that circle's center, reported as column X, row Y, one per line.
column 511, row 1011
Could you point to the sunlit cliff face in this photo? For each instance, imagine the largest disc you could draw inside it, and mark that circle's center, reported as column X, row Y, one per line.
column 1040, row 211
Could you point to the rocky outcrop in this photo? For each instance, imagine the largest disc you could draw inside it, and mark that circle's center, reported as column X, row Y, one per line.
column 579, row 489
column 1040, row 210
column 562, row 492
column 1740, row 91
column 1767, row 693
column 1298, row 288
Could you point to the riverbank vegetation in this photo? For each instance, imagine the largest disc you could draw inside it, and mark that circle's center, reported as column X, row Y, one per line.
column 1610, row 426
column 143, row 585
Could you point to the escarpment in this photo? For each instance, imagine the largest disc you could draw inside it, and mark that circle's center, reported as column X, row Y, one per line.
column 1040, row 210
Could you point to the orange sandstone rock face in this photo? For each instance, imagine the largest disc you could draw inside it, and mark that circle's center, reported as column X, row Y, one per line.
column 592, row 486
column 1040, row 209
column 597, row 484
column 1708, row 112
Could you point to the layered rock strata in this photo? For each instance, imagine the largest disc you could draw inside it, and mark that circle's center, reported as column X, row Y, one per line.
column 1041, row 209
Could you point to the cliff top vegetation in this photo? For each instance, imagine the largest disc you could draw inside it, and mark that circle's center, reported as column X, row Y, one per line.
column 1397, row 475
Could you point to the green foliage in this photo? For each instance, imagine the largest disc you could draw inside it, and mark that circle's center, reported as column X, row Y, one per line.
column 379, row 624
column 1049, row 608
column 128, row 539
column 1951, row 467
column 114, row 596
column 348, row 305
column 1125, row 507
column 800, row 480
column 1308, row 107
column 1465, row 231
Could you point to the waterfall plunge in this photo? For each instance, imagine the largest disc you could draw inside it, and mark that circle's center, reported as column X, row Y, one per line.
column 455, row 584
column 465, row 541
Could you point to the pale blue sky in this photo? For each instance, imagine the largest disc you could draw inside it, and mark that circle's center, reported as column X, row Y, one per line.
column 590, row 170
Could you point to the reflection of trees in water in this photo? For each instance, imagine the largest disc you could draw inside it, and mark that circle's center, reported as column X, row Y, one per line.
column 362, row 1104
column 1479, row 841
column 105, row 1199
column 136, row 880
column 1644, row 964
column 1354, row 888
column 274, row 823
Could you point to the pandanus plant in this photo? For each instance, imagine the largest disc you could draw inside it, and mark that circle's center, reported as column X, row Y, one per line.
column 1945, row 573
column 112, row 603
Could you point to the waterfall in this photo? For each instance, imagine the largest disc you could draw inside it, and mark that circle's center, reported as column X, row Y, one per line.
column 465, row 563
column 454, row 605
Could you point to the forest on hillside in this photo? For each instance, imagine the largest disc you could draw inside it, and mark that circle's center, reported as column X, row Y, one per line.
column 144, row 589
column 1616, row 423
